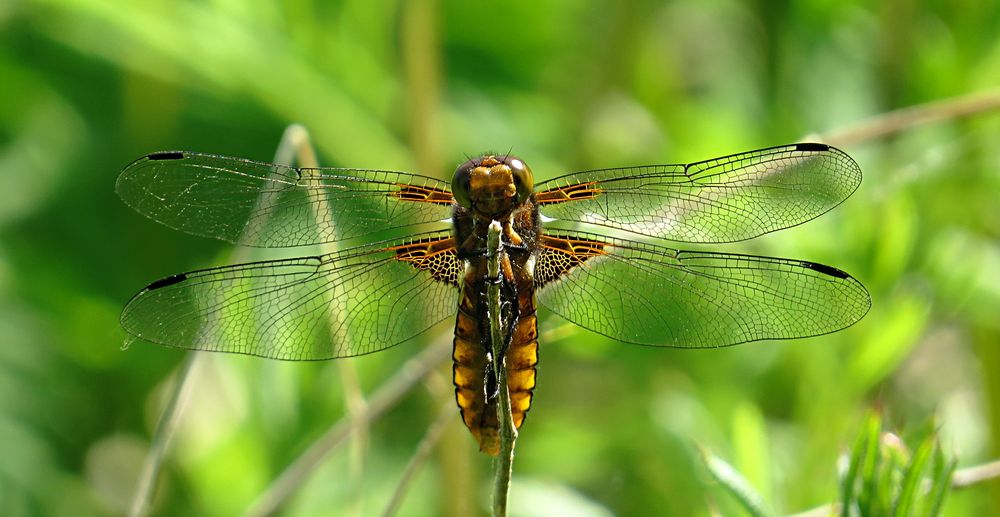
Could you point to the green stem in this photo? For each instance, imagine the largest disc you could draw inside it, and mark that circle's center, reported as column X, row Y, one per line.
column 381, row 400
column 304, row 155
column 446, row 415
column 508, row 434
column 892, row 122
column 161, row 438
column 294, row 145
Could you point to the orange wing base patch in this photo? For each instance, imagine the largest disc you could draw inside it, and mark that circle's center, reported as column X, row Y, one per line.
column 560, row 255
column 420, row 194
column 569, row 193
column 436, row 256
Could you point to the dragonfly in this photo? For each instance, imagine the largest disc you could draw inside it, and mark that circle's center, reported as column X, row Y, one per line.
column 588, row 246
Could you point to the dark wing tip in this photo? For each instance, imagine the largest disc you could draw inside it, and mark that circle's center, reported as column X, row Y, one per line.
column 166, row 155
column 164, row 282
column 811, row 146
column 826, row 270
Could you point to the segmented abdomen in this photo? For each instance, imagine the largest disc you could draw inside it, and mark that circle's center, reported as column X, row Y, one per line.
column 471, row 352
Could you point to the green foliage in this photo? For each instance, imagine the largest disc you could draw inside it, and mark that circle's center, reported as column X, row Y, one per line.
column 87, row 86
column 885, row 476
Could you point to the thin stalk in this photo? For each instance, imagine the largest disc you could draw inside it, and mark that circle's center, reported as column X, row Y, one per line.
column 508, row 434
column 162, row 437
column 446, row 415
column 737, row 485
column 288, row 149
column 305, row 156
column 902, row 119
column 381, row 400
column 420, row 54
column 976, row 474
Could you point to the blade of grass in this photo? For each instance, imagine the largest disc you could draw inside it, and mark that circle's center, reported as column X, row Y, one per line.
column 940, row 482
column 911, row 480
column 162, row 437
column 381, row 400
column 735, row 484
column 305, row 156
column 889, row 477
column 858, row 453
column 867, row 502
column 892, row 122
column 446, row 415
column 239, row 58
column 289, row 148
column 953, row 479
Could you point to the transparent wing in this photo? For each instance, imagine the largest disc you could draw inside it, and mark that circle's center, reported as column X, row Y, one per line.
column 262, row 204
column 721, row 200
column 652, row 295
column 342, row 304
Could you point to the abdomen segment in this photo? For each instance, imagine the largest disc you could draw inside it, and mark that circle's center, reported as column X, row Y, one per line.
column 470, row 353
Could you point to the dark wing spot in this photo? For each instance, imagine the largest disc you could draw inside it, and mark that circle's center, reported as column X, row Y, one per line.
column 167, row 155
column 810, row 146
column 164, row 282
column 826, row 270
column 560, row 255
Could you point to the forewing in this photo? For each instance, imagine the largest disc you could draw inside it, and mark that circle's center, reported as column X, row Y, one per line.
column 721, row 200
column 266, row 205
column 652, row 295
column 347, row 303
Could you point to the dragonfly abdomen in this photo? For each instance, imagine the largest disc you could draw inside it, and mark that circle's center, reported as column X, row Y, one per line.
column 522, row 360
column 473, row 371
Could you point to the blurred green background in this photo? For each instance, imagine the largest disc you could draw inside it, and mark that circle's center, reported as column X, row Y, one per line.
column 86, row 86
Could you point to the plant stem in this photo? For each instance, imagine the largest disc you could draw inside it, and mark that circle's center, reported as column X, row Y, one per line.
column 294, row 145
column 446, row 415
column 902, row 119
column 379, row 402
column 976, row 474
column 508, row 434
column 161, row 438
column 300, row 145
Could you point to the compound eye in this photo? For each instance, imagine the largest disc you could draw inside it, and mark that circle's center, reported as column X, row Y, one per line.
column 523, row 179
column 460, row 185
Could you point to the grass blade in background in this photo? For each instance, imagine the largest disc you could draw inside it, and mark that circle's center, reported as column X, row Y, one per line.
column 734, row 483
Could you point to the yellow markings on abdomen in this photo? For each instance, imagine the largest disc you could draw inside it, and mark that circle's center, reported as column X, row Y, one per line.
column 470, row 356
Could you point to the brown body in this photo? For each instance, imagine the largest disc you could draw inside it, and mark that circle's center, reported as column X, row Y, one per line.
column 475, row 372
column 632, row 291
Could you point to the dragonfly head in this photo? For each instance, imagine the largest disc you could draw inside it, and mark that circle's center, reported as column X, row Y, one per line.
column 492, row 186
